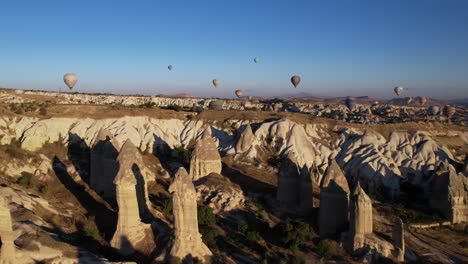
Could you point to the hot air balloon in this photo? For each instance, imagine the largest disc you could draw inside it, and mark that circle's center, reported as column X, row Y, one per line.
column 70, row 80
column 239, row 93
column 422, row 100
column 295, row 80
column 350, row 103
column 255, row 60
column 398, row 90
column 216, row 105
column 375, row 102
column 449, row 111
column 169, row 67
column 408, row 100
column 215, row 82
column 434, row 110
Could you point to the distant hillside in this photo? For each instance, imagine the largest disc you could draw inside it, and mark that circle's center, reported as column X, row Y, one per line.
column 459, row 101
column 359, row 100
column 180, row 95
column 414, row 102
column 301, row 96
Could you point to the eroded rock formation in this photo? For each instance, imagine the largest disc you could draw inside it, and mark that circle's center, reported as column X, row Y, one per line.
column 219, row 193
column 450, row 193
column 398, row 237
column 360, row 212
column 7, row 250
column 246, row 139
column 295, row 185
column 187, row 240
column 131, row 234
column 104, row 165
column 334, row 201
column 205, row 157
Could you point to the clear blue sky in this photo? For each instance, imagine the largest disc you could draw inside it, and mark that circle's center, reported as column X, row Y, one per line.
column 338, row 47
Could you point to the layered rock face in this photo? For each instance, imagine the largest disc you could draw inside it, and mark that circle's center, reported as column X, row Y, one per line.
column 246, row 139
column 334, row 201
column 187, row 239
column 295, row 186
column 104, row 165
column 205, row 157
column 450, row 193
column 131, row 234
column 219, row 194
column 7, row 251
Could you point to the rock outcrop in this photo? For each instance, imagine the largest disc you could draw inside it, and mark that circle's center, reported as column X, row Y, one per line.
column 450, row 193
column 205, row 157
column 187, row 240
column 131, row 234
column 360, row 238
column 295, row 186
column 219, row 193
column 360, row 213
column 334, row 201
column 398, row 237
column 7, row 250
column 104, row 165
column 246, row 139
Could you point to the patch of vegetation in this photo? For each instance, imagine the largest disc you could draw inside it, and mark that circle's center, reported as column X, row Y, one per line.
column 324, row 250
column 242, row 227
column 26, row 179
column 174, row 107
column 407, row 214
column 253, row 237
column 294, row 233
column 464, row 244
column 251, row 108
column 163, row 203
column 206, row 215
column 184, row 155
column 43, row 111
column 148, row 105
column 274, row 161
column 14, row 150
column 174, row 260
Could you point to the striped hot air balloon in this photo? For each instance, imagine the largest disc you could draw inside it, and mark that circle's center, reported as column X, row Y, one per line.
column 449, row 111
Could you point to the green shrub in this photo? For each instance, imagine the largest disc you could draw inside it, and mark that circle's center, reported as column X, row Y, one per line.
column 163, row 203
column 176, row 108
column 184, row 154
column 25, row 179
column 274, row 161
column 43, row 111
column 297, row 260
column 90, row 232
column 209, row 235
column 206, row 216
column 44, row 189
column 253, row 237
column 147, row 105
column 294, row 233
column 197, row 109
column 242, row 227
column 323, row 250
column 174, row 260
column 464, row 244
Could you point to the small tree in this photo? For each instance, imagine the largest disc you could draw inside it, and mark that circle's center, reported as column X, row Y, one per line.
column 323, row 250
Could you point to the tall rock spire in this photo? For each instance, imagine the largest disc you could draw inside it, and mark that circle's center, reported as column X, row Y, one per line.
column 205, row 157
column 187, row 239
column 131, row 234
column 7, row 251
column 334, row 201
column 361, row 212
